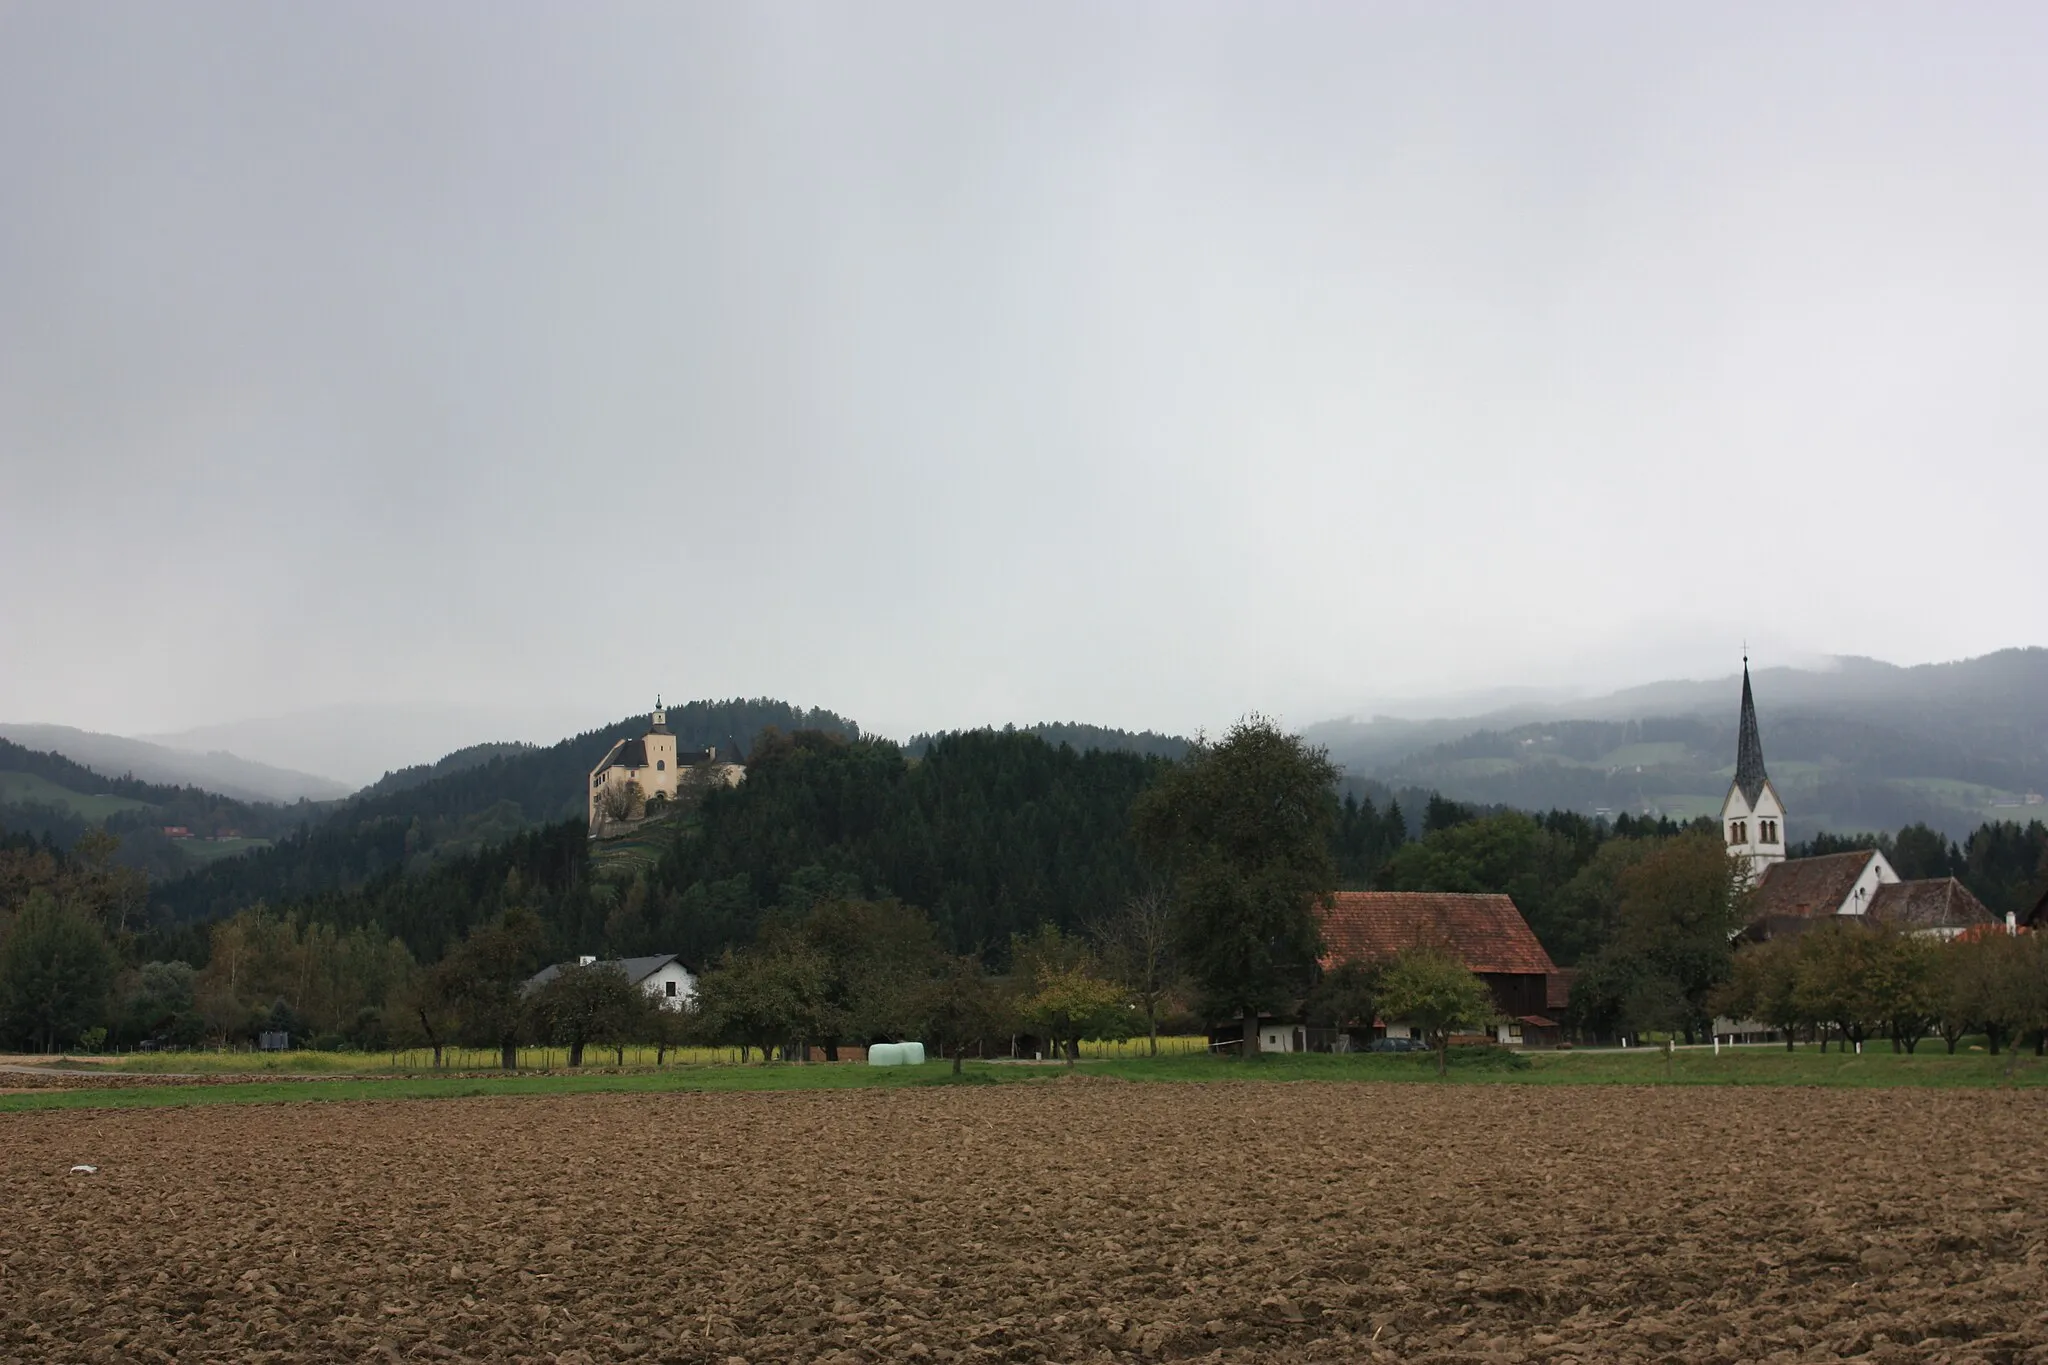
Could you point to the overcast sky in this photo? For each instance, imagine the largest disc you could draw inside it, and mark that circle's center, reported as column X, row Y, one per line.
column 952, row 364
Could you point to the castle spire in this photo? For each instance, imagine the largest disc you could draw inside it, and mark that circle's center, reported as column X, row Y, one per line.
column 1749, row 745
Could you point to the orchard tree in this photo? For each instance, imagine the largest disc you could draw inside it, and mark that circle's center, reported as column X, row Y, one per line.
column 1063, row 993
column 1138, row 952
column 1764, row 985
column 960, row 1006
column 485, row 979
column 589, row 1003
column 1438, row 993
column 1242, row 828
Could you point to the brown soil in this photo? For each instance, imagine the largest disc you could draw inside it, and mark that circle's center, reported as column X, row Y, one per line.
column 1058, row 1221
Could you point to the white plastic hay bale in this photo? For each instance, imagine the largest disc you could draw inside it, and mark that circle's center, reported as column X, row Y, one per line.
column 896, row 1054
column 913, row 1053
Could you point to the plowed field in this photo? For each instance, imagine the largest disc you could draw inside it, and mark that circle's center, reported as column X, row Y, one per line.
column 1070, row 1220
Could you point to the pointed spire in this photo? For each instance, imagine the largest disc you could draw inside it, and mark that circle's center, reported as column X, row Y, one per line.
column 1749, row 744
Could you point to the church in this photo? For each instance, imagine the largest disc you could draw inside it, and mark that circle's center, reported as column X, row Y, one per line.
column 636, row 771
column 1791, row 895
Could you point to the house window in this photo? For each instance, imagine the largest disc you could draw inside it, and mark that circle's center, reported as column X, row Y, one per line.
column 671, row 990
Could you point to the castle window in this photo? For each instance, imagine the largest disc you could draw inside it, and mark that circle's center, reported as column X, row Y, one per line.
column 661, row 765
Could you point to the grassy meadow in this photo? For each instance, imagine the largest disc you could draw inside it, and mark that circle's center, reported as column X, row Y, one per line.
column 242, row 1079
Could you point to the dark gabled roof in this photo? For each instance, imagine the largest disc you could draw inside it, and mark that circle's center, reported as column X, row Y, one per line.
column 636, row 969
column 1801, row 888
column 1749, row 748
column 1933, row 903
column 1486, row 933
column 2038, row 916
column 627, row 753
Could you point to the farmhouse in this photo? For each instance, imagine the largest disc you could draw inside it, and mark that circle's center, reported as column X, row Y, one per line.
column 662, row 976
column 636, row 771
column 1485, row 932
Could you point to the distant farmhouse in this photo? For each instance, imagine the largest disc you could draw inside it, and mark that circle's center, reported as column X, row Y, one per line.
column 1485, row 932
column 1793, row 895
column 636, row 771
column 662, row 976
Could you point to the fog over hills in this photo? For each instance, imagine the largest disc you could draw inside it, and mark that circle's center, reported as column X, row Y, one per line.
column 1859, row 745
column 215, row 771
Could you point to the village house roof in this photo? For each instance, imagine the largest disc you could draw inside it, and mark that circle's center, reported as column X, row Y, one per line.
column 1749, row 748
column 1800, row 888
column 1485, row 932
column 636, row 969
column 1932, row 903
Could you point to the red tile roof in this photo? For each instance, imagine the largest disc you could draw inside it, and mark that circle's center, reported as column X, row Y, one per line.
column 1804, row 887
column 1486, row 933
column 1932, row 903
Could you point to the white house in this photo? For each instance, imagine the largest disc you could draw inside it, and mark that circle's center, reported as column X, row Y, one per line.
column 663, row 976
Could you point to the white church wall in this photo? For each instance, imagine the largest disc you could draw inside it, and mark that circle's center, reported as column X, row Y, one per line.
column 1877, row 872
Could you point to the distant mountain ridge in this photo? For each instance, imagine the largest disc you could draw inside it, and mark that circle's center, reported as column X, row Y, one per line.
column 1862, row 746
column 221, row 772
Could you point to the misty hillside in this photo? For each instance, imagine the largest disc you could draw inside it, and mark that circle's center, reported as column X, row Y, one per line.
column 50, row 796
column 480, row 796
column 1864, row 746
column 215, row 772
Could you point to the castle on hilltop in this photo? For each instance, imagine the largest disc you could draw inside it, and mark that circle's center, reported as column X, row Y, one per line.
column 636, row 772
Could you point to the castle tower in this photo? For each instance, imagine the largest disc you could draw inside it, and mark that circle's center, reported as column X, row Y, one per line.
column 1752, row 816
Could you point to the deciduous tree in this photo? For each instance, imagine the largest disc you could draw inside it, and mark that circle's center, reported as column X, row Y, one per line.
column 1438, row 994
column 1242, row 830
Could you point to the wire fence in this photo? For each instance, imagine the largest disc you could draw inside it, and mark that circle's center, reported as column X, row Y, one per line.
column 635, row 1056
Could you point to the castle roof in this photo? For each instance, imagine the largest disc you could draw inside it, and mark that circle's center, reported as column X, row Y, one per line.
column 627, row 753
column 1749, row 747
column 1485, row 932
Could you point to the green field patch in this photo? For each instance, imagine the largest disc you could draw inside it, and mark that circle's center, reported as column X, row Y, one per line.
column 1876, row 1067
column 213, row 850
column 1666, row 754
column 32, row 789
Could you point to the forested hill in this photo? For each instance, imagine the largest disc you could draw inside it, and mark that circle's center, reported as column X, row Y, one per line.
column 1080, row 738
column 50, row 796
column 993, row 833
column 492, row 794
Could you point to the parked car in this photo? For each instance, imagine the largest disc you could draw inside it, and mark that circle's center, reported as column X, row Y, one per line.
column 1398, row 1045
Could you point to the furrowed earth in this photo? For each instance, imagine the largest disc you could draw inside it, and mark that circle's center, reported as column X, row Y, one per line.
column 1070, row 1220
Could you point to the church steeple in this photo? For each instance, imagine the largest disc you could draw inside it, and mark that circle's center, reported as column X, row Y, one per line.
column 1752, row 817
column 660, row 717
column 1749, row 746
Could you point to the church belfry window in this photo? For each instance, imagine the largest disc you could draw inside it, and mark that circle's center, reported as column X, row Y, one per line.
column 661, row 765
column 1738, row 831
